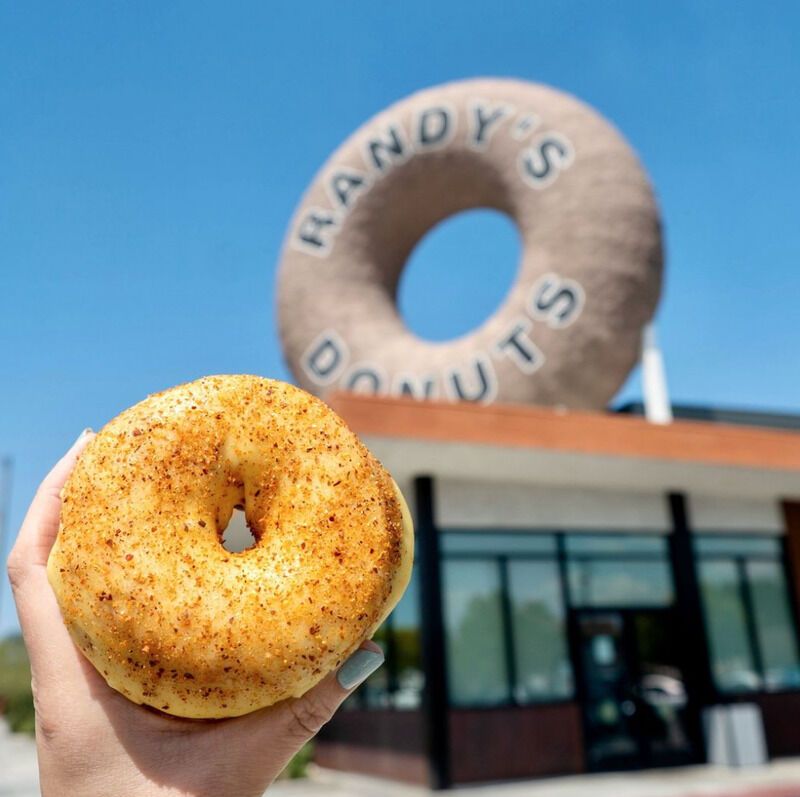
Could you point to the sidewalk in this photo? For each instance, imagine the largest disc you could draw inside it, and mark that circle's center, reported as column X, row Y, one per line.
column 19, row 778
column 778, row 779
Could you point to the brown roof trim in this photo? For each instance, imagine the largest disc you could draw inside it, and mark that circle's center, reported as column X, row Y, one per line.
column 520, row 426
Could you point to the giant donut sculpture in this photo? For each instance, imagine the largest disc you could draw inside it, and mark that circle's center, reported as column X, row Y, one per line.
column 589, row 276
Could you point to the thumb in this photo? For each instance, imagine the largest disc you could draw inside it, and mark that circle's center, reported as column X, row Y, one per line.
column 266, row 740
column 285, row 727
column 303, row 717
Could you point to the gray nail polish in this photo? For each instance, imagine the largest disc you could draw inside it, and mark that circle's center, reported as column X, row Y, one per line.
column 82, row 435
column 358, row 668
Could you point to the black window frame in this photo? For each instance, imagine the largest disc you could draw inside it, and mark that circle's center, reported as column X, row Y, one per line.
column 560, row 557
column 619, row 557
column 745, row 594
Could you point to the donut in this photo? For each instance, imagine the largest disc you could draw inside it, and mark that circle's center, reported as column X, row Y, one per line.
column 588, row 280
column 164, row 612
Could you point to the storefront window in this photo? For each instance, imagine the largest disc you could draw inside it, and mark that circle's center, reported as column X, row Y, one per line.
column 498, row 543
column 728, row 546
column 618, row 570
column 732, row 657
column 506, row 604
column 474, row 623
column 375, row 692
column 616, row 545
column 399, row 683
column 542, row 666
column 774, row 626
column 505, row 608
column 504, row 618
column 407, row 649
column 748, row 616
column 599, row 583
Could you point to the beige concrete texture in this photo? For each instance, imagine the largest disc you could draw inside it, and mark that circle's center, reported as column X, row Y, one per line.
column 778, row 779
column 589, row 276
column 19, row 778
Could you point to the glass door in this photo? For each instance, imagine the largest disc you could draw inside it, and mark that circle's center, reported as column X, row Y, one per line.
column 632, row 688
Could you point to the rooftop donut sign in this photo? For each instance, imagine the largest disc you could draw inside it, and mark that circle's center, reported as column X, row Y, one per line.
column 589, row 276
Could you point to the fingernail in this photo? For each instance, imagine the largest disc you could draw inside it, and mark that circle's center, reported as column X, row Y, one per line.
column 85, row 433
column 358, row 668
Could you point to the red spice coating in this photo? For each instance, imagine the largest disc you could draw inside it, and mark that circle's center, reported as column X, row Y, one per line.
column 162, row 610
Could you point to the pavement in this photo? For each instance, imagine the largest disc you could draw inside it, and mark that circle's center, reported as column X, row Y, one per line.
column 777, row 779
column 19, row 778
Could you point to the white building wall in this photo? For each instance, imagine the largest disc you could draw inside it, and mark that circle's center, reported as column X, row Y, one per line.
column 482, row 504
column 462, row 503
column 709, row 513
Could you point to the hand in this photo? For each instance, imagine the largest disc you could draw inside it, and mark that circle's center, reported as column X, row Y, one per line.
column 93, row 741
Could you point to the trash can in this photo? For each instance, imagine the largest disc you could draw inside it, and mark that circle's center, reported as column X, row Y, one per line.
column 735, row 735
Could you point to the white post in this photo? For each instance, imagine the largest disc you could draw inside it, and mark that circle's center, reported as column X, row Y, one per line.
column 657, row 407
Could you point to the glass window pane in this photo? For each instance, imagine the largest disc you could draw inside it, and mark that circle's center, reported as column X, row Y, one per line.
column 774, row 624
column 726, row 544
column 600, row 582
column 655, row 544
column 731, row 657
column 375, row 691
column 497, row 542
column 474, row 632
column 407, row 650
column 543, row 668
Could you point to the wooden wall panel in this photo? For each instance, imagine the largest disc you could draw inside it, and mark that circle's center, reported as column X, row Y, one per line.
column 780, row 712
column 791, row 515
column 378, row 762
column 384, row 743
column 524, row 742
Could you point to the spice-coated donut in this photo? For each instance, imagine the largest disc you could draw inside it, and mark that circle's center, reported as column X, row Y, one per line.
column 588, row 279
column 168, row 615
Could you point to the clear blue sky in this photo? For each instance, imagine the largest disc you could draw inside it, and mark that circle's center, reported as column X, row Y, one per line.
column 151, row 154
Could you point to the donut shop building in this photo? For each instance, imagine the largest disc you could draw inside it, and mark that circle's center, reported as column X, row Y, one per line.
column 591, row 590
column 587, row 586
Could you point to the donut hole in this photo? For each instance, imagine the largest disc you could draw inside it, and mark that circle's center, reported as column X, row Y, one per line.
column 467, row 264
column 238, row 536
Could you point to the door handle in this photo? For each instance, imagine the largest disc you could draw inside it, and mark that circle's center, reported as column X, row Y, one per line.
column 628, row 708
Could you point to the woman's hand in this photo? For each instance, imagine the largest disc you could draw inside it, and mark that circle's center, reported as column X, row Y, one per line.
column 93, row 741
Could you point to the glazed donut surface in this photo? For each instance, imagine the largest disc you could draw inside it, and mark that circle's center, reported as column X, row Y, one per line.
column 165, row 613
